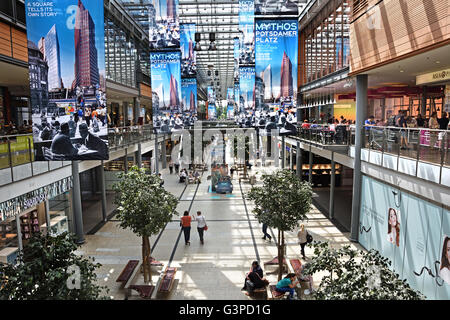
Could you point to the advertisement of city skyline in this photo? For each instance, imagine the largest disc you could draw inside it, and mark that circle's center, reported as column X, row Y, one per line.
column 188, row 55
column 211, row 95
column 236, row 58
column 164, row 24
column 342, row 52
column 246, row 87
column 276, row 7
column 247, row 32
column 189, row 95
column 276, row 56
column 236, row 96
column 67, row 79
column 166, row 80
column 230, row 103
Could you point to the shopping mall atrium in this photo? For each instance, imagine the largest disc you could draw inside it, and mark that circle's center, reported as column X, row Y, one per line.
column 227, row 150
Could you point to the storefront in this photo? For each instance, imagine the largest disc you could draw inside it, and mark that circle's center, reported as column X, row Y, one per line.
column 46, row 210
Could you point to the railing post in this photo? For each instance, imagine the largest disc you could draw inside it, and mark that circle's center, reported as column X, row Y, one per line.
column 10, row 159
column 30, row 155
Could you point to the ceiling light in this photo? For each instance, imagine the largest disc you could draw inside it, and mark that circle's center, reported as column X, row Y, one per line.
column 212, row 46
column 438, row 62
column 402, row 71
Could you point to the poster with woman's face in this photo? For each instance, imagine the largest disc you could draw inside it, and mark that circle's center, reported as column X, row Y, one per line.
column 393, row 232
column 444, row 271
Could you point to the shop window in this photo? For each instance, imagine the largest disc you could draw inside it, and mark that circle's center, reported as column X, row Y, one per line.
column 9, row 242
column 59, row 213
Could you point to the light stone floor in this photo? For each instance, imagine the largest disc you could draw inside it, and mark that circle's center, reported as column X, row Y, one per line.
column 215, row 270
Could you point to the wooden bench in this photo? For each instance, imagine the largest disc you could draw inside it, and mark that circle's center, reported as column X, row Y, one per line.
column 296, row 266
column 273, row 294
column 155, row 263
column 303, row 284
column 127, row 272
column 167, row 280
column 145, row 291
column 274, row 262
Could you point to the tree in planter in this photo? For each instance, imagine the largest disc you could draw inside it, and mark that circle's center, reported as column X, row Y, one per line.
column 145, row 207
column 357, row 275
column 280, row 203
column 47, row 269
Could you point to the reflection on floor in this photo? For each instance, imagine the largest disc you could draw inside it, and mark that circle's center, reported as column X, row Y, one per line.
column 215, row 270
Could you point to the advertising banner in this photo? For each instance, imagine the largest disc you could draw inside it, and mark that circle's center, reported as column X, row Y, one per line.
column 211, row 111
column 189, row 95
column 411, row 232
column 236, row 59
column 246, row 87
column 342, row 52
column 166, row 81
column 236, row 97
column 230, row 103
column 211, row 95
column 278, row 7
column 188, row 55
column 246, row 26
column 276, row 60
column 67, row 79
column 164, row 25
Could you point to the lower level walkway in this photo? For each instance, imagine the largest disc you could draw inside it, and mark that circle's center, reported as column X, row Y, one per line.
column 215, row 270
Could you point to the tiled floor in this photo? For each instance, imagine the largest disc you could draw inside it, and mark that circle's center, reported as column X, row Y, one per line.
column 215, row 270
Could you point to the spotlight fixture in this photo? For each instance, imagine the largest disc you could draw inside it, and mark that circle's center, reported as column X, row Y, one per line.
column 197, row 42
column 212, row 46
column 217, row 73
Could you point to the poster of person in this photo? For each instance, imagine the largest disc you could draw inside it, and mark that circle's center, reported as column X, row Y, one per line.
column 247, row 32
column 247, row 87
column 189, row 95
column 276, row 55
column 188, row 55
column 67, row 79
column 164, row 24
column 444, row 270
column 276, row 7
column 166, row 81
column 393, row 232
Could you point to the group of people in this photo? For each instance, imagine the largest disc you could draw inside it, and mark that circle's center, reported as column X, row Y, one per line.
column 185, row 224
column 192, row 176
column 255, row 278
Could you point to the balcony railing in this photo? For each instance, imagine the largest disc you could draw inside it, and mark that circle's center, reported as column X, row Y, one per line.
column 406, row 150
column 120, row 137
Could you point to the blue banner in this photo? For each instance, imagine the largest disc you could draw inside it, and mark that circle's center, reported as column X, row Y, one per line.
column 211, row 95
column 164, row 25
column 211, row 111
column 246, row 26
column 236, row 59
column 188, row 55
column 66, row 47
column 230, row 103
column 276, row 60
column 247, row 87
column 166, row 81
column 237, row 96
column 189, row 95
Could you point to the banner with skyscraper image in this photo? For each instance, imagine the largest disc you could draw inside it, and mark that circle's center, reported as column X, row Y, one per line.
column 188, row 56
column 166, row 82
column 164, row 25
column 246, row 32
column 246, row 88
column 189, row 95
column 66, row 57
column 276, row 56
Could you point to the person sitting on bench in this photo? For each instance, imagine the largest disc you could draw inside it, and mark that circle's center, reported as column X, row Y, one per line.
column 254, row 279
column 287, row 284
column 183, row 175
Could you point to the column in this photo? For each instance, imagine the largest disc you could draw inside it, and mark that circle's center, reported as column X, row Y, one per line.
column 156, row 155
column 137, row 109
column 77, row 208
column 19, row 233
column 138, row 156
column 125, row 161
column 423, row 104
column 103, row 191
column 47, row 213
column 283, row 152
column 361, row 115
column 291, row 156
column 310, row 165
column 299, row 161
column 332, row 187
column 164, row 153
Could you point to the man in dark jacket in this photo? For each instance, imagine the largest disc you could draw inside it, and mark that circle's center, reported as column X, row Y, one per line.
column 61, row 143
column 91, row 141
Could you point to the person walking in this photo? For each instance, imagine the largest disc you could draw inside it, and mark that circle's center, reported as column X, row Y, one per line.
column 201, row 225
column 302, row 239
column 186, row 225
column 264, row 230
column 162, row 180
column 171, row 167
